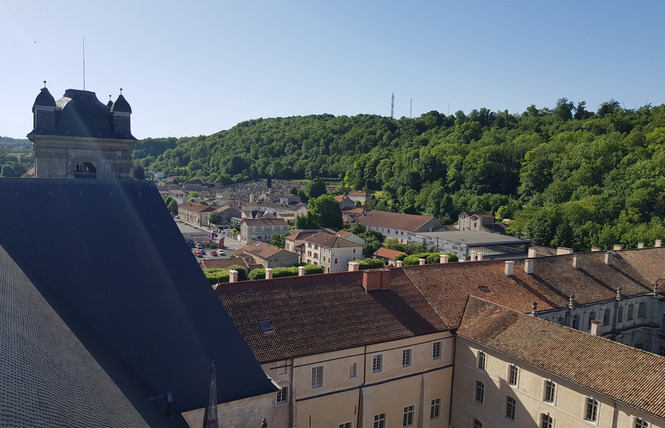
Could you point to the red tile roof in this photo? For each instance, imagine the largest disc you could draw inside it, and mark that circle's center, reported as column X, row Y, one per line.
column 330, row 241
column 265, row 222
column 385, row 252
column 410, row 222
column 193, row 206
column 322, row 313
column 260, row 249
column 629, row 375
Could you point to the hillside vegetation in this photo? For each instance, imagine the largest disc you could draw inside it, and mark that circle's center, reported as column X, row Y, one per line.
column 567, row 176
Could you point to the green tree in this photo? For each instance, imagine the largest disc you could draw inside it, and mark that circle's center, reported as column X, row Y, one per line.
column 315, row 188
column 323, row 211
column 278, row 240
column 216, row 218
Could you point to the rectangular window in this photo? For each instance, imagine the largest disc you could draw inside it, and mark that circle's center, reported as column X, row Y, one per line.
column 546, row 421
column 406, row 358
column 606, row 317
column 377, row 363
column 435, row 409
column 592, row 316
column 477, row 424
column 480, row 392
column 407, row 417
column 620, row 314
column 510, row 407
column 353, row 370
column 642, row 310
column 550, row 391
column 640, row 423
column 317, row 377
column 629, row 316
column 436, row 350
column 283, row 395
column 576, row 321
column 591, row 409
column 346, row 425
column 481, row 360
column 379, row 421
column 513, row 372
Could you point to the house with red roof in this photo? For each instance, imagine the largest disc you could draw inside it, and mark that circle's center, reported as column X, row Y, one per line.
column 399, row 225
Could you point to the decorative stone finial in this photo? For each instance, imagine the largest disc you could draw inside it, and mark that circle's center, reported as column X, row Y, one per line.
column 619, row 293
column 44, row 83
column 534, row 307
column 571, row 301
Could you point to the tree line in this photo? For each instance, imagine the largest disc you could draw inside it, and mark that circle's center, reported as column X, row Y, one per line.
column 565, row 176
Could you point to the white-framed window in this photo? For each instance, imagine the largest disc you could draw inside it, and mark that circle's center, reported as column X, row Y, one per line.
column 353, row 370
column 480, row 392
column 317, row 376
column 550, row 391
column 546, row 421
column 482, row 360
column 641, row 423
column 436, row 350
column 377, row 363
column 435, row 409
column 379, row 421
column 513, row 374
column 477, row 423
column 511, row 405
column 407, row 417
column 346, row 425
column 406, row 358
column 283, row 395
column 591, row 412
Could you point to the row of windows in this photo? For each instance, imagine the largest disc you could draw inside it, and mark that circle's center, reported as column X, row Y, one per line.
column 407, row 356
column 607, row 315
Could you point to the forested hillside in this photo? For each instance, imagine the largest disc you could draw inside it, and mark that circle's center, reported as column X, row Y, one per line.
column 16, row 157
column 567, row 176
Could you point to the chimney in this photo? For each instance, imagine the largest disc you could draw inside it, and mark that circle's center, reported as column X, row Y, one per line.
column 443, row 258
column 473, row 256
column 571, row 301
column 532, row 253
column 233, row 275
column 399, row 263
column 528, row 265
column 595, row 249
column 376, row 279
column 658, row 243
column 479, row 255
column 563, row 250
column 268, row 273
column 421, row 262
column 618, row 247
column 640, row 245
column 509, row 268
column 534, row 308
column 575, row 262
column 608, row 258
column 595, row 325
column 619, row 294
column 354, row 266
column 301, row 270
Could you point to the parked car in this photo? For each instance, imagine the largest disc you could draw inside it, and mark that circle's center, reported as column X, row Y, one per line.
column 213, row 253
column 221, row 252
column 199, row 246
column 198, row 254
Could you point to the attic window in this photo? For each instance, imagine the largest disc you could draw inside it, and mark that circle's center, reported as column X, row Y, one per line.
column 485, row 289
column 266, row 326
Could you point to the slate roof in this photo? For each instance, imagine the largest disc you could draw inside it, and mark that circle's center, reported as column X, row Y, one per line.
column 110, row 260
column 320, row 313
column 410, row 222
column 632, row 376
column 44, row 99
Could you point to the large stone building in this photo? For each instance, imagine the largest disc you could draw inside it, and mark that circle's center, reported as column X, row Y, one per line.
column 78, row 136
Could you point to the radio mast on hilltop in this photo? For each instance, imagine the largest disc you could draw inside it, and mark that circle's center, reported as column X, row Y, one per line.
column 392, row 106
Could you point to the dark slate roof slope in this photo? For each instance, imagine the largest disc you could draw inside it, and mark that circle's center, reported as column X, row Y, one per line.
column 113, row 255
column 47, row 377
column 631, row 375
column 322, row 313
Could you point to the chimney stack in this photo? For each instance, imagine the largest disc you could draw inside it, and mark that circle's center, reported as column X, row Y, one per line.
column 479, row 255
column 608, row 258
column 658, row 244
column 472, row 256
column 618, row 247
column 354, row 266
column 563, row 250
column 575, row 262
column 509, row 268
column 595, row 325
column 422, row 262
column 376, row 279
column 268, row 273
column 532, row 253
column 399, row 263
column 301, row 270
column 595, row 249
column 640, row 245
column 528, row 265
column 233, row 275
column 443, row 258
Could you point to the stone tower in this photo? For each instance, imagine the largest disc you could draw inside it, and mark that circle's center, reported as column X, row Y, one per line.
column 78, row 136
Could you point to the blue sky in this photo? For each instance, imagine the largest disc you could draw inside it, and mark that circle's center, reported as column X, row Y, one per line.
column 195, row 68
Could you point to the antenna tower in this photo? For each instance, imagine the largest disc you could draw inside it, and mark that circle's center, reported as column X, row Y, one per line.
column 392, row 106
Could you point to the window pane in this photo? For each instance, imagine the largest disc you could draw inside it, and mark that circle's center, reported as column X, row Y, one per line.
column 435, row 409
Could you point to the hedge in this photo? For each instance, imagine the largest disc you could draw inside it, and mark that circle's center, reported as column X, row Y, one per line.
column 369, row 264
column 279, row 272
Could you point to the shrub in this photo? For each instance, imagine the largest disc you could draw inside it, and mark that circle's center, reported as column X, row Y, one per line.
column 312, row 269
column 216, row 275
column 242, row 273
column 369, row 264
column 258, row 273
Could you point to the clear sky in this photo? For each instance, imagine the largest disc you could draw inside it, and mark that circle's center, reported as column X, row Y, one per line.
column 197, row 67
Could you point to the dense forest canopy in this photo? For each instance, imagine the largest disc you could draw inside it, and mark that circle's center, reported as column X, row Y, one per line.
column 567, row 176
column 16, row 157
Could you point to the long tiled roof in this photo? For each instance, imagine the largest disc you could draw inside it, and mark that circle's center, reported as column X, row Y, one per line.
column 410, row 222
column 194, row 206
column 330, row 241
column 265, row 221
column 321, row 313
column 260, row 249
column 629, row 375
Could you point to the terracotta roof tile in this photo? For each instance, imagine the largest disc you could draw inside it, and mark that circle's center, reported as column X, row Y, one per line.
column 385, row 252
column 331, row 241
column 410, row 222
column 193, row 206
column 632, row 376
